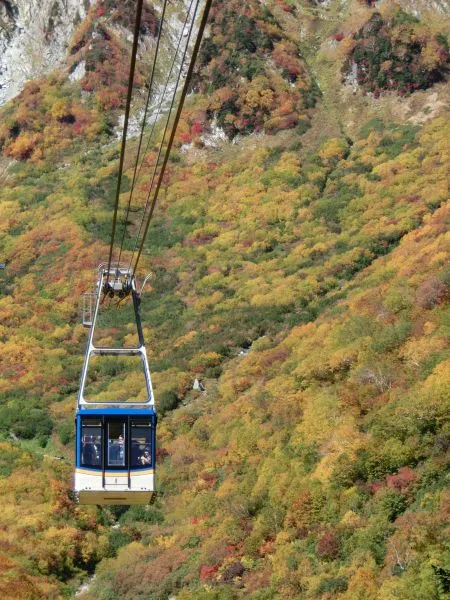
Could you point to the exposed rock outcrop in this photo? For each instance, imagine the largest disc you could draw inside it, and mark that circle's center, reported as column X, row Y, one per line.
column 33, row 38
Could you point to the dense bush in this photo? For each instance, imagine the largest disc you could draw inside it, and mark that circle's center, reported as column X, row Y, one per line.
column 23, row 419
column 397, row 53
column 252, row 73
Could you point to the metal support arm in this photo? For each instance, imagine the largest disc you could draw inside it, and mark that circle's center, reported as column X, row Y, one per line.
column 116, row 275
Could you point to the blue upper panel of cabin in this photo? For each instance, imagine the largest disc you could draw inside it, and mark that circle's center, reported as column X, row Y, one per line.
column 124, row 412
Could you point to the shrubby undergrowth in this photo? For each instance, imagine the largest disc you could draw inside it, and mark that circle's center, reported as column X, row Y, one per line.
column 306, row 285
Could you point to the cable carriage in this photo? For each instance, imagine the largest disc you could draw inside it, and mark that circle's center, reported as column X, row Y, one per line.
column 115, row 441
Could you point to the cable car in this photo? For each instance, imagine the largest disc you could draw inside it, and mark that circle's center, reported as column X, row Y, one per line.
column 115, row 441
column 115, row 456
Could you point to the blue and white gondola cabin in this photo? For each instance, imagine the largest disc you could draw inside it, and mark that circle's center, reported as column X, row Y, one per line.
column 115, row 455
column 115, row 441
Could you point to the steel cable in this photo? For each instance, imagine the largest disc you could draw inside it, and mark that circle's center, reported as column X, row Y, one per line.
column 155, row 121
column 137, row 27
column 176, row 121
column 166, row 127
column 144, row 121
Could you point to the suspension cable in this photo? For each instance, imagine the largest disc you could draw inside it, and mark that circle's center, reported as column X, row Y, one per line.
column 162, row 97
column 137, row 27
column 176, row 121
column 144, row 122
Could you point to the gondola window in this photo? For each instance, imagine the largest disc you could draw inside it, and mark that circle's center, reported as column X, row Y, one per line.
column 116, row 444
column 91, row 444
column 141, row 450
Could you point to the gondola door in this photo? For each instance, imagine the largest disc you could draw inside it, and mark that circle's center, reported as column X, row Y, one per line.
column 116, row 473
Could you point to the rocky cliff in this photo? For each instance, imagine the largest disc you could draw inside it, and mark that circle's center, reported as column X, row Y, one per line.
column 33, row 38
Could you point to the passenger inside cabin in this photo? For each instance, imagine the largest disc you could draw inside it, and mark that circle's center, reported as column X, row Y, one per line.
column 121, row 446
column 146, row 459
column 90, row 452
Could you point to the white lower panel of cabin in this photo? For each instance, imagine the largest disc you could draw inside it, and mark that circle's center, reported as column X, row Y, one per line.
column 117, row 488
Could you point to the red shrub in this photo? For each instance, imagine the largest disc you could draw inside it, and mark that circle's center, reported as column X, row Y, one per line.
column 161, row 453
column 208, row 478
column 274, row 355
column 431, row 292
column 185, row 137
column 375, row 487
column 196, row 129
column 402, row 480
column 328, row 547
column 207, row 573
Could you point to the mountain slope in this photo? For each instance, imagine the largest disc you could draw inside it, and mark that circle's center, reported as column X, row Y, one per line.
column 313, row 456
column 301, row 272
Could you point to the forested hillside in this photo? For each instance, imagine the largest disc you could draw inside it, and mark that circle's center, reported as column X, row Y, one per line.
column 300, row 270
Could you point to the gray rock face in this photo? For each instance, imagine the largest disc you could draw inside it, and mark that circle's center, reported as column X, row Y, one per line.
column 420, row 7
column 33, row 39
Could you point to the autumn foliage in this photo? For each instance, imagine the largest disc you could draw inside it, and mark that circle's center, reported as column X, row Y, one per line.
column 253, row 75
column 397, row 53
column 302, row 278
